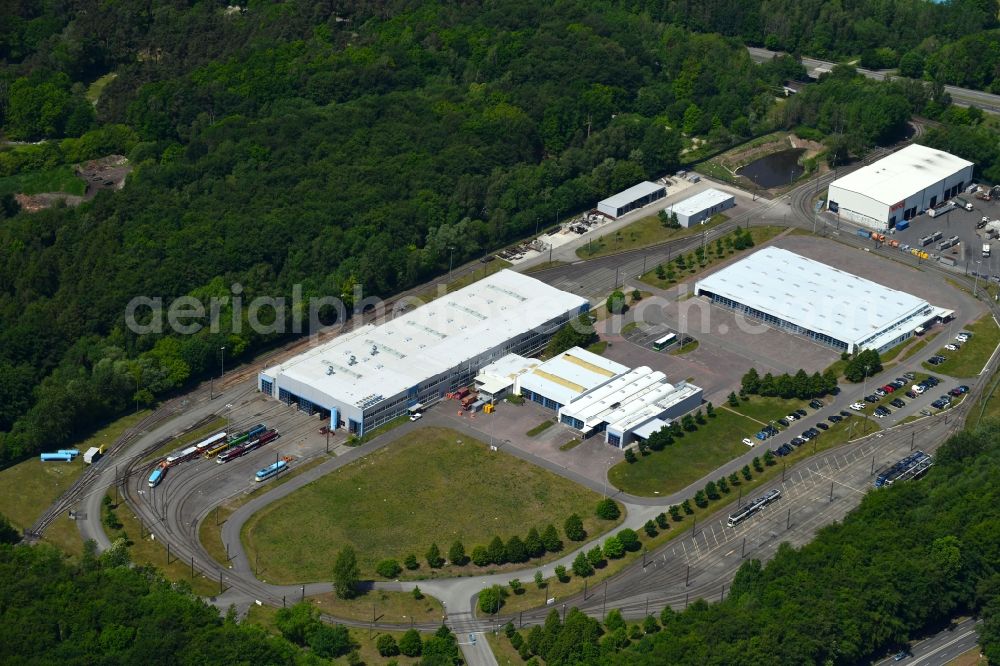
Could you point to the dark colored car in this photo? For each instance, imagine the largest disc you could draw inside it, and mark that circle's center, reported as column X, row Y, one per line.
column 816, row 404
column 835, row 418
column 813, row 432
column 801, row 412
column 871, row 398
column 955, row 392
column 798, row 441
column 784, row 422
column 897, row 403
column 911, row 395
column 822, row 426
column 963, row 388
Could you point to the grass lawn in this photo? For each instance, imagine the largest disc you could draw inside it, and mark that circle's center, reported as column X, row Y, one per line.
column 764, row 410
column 263, row 616
column 191, row 436
column 759, row 235
column 688, row 459
column 380, row 506
column 397, row 607
column 970, row 359
column 598, row 347
column 57, row 179
column 28, row 488
column 95, row 89
column 571, row 444
column 540, row 428
column 210, row 530
column 641, row 233
column 900, row 353
column 504, row 652
column 684, row 349
column 146, row 550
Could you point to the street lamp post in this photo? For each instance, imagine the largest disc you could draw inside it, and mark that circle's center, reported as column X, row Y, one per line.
column 451, row 253
column 222, row 365
column 975, row 287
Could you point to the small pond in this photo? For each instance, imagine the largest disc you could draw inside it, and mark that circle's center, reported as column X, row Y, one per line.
column 776, row 169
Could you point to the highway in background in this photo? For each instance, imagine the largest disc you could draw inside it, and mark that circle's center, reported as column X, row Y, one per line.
column 959, row 96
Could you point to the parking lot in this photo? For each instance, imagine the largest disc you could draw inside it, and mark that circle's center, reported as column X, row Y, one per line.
column 961, row 223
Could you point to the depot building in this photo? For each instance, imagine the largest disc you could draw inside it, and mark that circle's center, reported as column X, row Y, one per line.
column 899, row 187
column 809, row 298
column 376, row 373
column 594, row 395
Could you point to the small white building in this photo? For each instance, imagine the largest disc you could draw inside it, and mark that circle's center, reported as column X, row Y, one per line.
column 497, row 379
column 631, row 199
column 92, row 455
column 899, row 187
column 700, row 208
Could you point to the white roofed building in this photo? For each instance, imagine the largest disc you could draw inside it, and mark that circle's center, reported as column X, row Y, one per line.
column 699, row 208
column 375, row 373
column 634, row 197
column 899, row 187
column 595, row 395
column 810, row 298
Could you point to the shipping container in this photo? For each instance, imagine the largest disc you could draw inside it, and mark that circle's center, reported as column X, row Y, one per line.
column 902, row 224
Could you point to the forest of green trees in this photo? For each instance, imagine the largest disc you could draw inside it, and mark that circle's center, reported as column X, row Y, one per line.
column 335, row 146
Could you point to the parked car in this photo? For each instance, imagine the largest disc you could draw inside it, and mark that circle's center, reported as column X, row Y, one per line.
column 888, row 388
column 963, row 388
column 807, row 435
column 798, row 441
column 416, row 417
column 939, row 404
column 932, row 380
column 792, row 417
column 857, row 406
column 911, row 395
column 785, row 449
column 937, row 360
column 898, row 384
column 816, row 404
column 925, row 412
column 761, row 436
column 951, row 347
column 910, row 376
column 835, row 418
column 822, row 426
column 872, row 398
column 845, row 414
column 880, row 392
column 813, row 432
column 748, row 441
column 784, row 422
column 897, row 403
column 800, row 412
column 955, row 392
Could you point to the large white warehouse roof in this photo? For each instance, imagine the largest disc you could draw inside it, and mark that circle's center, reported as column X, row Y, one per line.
column 812, row 295
column 372, row 362
column 575, row 371
column 701, row 201
column 898, row 176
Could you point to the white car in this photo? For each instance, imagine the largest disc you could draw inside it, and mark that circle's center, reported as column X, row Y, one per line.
column 918, row 389
column 748, row 441
column 792, row 417
column 857, row 406
column 952, row 347
column 962, row 337
column 416, row 417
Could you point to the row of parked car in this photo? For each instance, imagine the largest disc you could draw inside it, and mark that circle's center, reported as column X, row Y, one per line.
column 810, row 433
column 960, row 340
column 769, row 430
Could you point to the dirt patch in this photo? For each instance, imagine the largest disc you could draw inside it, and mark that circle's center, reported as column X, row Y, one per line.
column 104, row 173
column 32, row 203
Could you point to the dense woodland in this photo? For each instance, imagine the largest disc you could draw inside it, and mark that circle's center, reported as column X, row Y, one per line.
column 313, row 145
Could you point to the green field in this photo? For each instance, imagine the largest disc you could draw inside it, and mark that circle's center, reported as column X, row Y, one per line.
column 759, row 235
column 688, row 459
column 970, row 359
column 433, row 485
column 95, row 89
column 765, row 410
column 58, row 179
column 28, row 488
column 641, row 233
column 397, row 607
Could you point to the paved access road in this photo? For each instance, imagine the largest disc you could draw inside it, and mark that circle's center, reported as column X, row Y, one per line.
column 960, row 96
column 940, row 648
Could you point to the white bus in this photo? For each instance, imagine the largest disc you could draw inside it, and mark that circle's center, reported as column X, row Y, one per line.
column 667, row 339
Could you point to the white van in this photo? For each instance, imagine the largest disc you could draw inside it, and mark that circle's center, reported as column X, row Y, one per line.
column 917, row 388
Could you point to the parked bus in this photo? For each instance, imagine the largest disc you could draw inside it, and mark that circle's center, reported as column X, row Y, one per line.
column 666, row 340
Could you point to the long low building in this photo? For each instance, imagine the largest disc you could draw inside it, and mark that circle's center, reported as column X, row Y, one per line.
column 634, row 197
column 810, row 298
column 376, row 373
column 899, row 187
